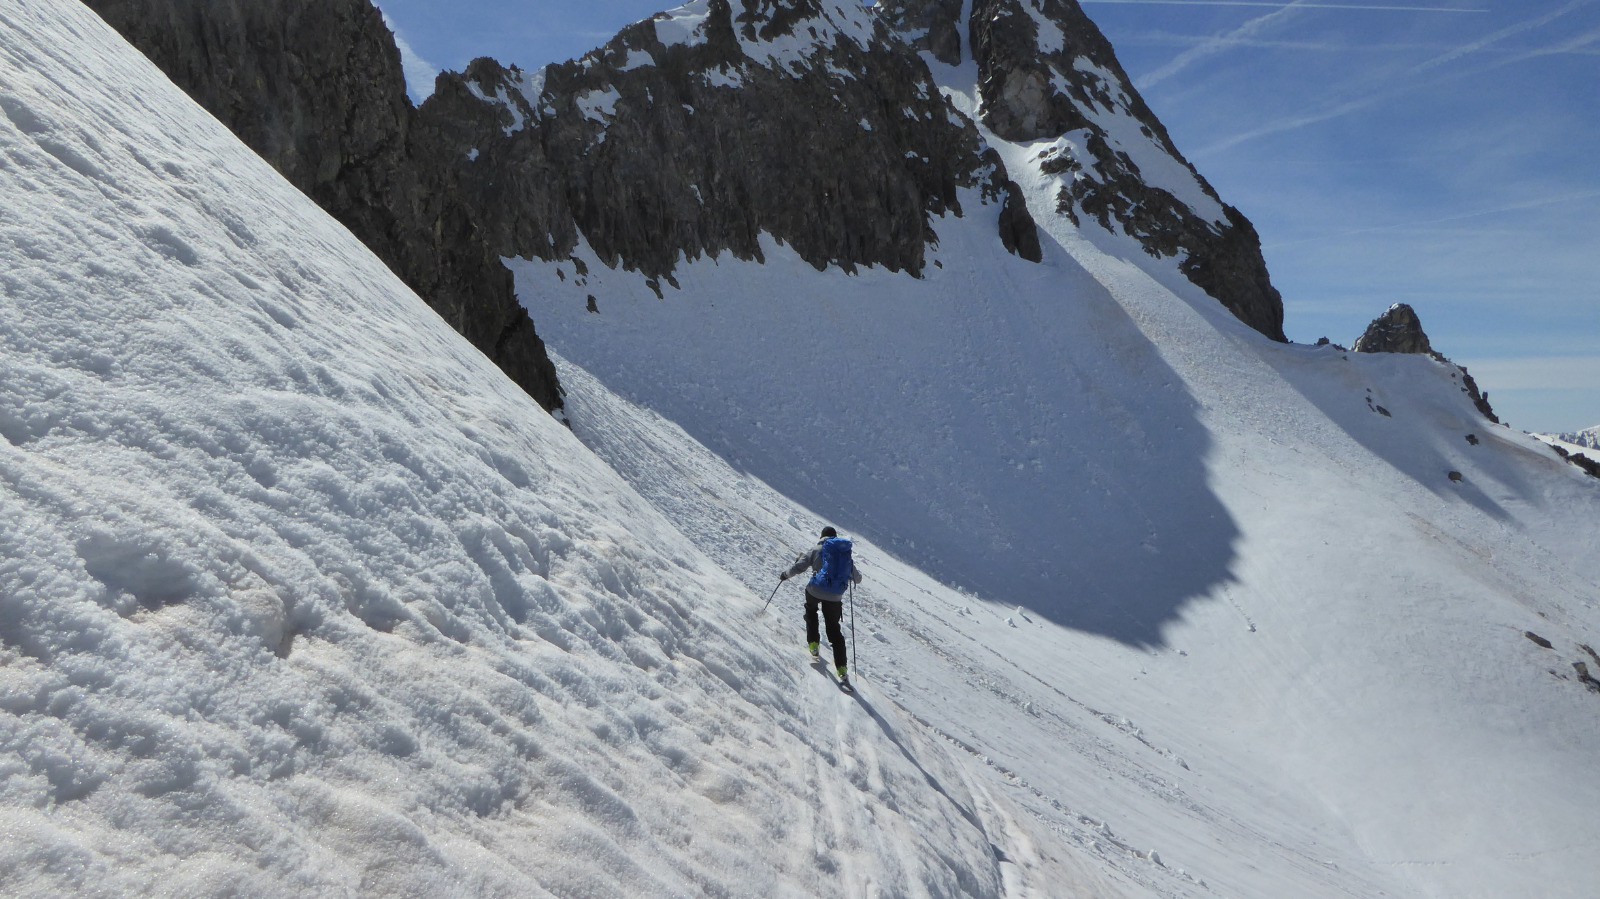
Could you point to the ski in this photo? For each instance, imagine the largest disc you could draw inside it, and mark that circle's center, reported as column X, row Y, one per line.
column 843, row 683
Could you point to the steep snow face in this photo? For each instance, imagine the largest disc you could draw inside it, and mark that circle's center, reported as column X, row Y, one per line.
column 300, row 596
column 1337, row 700
column 985, row 422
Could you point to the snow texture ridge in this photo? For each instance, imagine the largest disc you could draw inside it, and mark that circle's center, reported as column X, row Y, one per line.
column 317, row 88
column 299, row 595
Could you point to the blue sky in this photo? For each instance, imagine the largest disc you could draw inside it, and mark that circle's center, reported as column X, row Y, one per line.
column 1443, row 154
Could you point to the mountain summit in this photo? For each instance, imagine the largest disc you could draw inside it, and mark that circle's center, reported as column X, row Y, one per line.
column 1049, row 79
column 698, row 131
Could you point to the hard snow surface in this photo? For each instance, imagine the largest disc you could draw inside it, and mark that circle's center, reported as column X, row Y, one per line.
column 299, row 596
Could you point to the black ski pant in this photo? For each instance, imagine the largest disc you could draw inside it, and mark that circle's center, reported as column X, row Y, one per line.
column 832, row 614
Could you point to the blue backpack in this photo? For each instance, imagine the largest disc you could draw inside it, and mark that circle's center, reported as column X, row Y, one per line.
column 834, row 575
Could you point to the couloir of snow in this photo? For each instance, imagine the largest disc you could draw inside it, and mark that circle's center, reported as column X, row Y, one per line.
column 298, row 595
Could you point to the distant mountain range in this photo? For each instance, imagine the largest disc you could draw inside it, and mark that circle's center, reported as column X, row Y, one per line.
column 1588, row 438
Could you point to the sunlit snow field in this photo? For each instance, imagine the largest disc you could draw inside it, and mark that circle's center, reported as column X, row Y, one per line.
column 300, row 596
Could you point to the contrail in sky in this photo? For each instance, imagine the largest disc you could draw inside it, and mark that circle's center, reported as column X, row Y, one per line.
column 1214, row 46
column 1579, row 43
column 1445, row 220
column 1368, row 7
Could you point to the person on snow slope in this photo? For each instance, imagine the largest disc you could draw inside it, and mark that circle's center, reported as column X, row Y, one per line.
column 825, row 592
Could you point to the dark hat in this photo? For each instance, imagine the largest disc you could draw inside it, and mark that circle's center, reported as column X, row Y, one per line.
column 829, row 532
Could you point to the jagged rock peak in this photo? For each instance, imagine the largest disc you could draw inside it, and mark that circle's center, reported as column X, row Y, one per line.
column 1398, row 330
column 1045, row 72
column 698, row 130
column 785, row 33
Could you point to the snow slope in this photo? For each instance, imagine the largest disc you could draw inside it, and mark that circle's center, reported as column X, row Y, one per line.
column 1259, row 608
column 1348, row 708
column 299, row 596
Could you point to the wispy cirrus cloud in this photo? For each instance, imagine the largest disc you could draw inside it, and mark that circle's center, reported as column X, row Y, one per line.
column 1284, row 5
column 1583, row 43
column 1539, row 372
column 1217, row 45
column 1526, row 206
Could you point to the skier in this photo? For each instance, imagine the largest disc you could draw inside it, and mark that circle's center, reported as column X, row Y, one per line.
column 834, row 571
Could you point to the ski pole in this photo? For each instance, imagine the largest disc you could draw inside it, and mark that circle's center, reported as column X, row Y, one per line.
column 853, row 654
column 770, row 598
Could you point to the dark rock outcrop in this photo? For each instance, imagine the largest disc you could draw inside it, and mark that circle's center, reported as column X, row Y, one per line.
column 1582, row 461
column 1399, row 330
column 316, row 88
column 692, row 136
column 931, row 25
column 1045, row 71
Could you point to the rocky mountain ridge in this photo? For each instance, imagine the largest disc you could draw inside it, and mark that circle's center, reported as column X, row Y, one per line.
column 697, row 131
column 817, row 123
column 820, row 123
column 1047, row 76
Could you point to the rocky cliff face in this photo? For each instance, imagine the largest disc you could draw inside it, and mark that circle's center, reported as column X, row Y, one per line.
column 695, row 132
column 1046, row 73
column 315, row 87
column 1399, row 330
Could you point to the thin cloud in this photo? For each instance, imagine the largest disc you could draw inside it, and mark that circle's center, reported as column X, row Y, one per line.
column 1444, row 220
column 1539, row 372
column 1169, row 39
column 1579, row 44
column 1498, row 36
column 1217, row 45
column 1262, row 3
